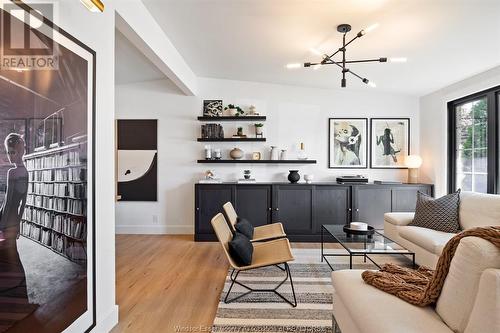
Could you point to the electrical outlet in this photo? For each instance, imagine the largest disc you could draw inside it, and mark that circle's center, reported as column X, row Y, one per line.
column 155, row 219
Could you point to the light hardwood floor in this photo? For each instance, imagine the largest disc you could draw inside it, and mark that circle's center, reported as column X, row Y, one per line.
column 168, row 281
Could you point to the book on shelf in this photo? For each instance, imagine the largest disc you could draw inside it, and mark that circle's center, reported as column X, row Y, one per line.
column 210, row 181
column 245, row 181
column 386, row 182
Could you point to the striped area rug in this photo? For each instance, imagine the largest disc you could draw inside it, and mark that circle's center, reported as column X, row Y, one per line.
column 266, row 312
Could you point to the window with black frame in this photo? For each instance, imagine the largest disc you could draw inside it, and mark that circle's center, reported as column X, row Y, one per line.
column 473, row 142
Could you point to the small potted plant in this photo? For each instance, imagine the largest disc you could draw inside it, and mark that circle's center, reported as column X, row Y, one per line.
column 240, row 131
column 258, row 129
column 234, row 110
column 247, row 174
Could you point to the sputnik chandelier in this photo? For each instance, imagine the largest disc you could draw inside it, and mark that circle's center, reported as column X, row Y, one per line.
column 343, row 63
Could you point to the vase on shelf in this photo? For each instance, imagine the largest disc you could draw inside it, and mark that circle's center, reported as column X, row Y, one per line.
column 309, row 178
column 274, row 153
column 283, row 154
column 236, row 153
column 293, row 176
column 302, row 152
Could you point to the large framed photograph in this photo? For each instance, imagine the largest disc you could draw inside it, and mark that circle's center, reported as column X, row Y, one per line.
column 390, row 142
column 347, row 143
column 47, row 218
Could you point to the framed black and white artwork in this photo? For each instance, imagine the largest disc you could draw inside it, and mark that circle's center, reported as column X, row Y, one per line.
column 137, row 159
column 347, row 143
column 47, row 217
column 390, row 142
column 212, row 108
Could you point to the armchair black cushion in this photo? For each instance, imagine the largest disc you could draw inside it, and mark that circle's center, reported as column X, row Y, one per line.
column 241, row 249
column 244, row 227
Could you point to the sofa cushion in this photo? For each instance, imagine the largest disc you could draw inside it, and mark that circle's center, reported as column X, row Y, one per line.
column 431, row 240
column 400, row 219
column 376, row 311
column 485, row 316
column 439, row 214
column 473, row 256
column 479, row 210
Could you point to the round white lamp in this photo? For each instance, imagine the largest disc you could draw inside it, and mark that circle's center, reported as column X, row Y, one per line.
column 413, row 162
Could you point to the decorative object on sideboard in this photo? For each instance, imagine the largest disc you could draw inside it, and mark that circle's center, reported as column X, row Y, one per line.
column 256, row 156
column 327, row 59
column 210, row 178
column 356, row 228
column 347, row 143
column 247, row 174
column 413, row 162
column 252, row 111
column 274, row 154
column 309, row 178
column 358, row 179
column 302, row 152
column 234, row 110
column 258, row 130
column 390, row 142
column 239, row 132
column 236, row 153
column 208, row 152
column 212, row 131
column 283, row 154
column 293, row 176
column 212, row 108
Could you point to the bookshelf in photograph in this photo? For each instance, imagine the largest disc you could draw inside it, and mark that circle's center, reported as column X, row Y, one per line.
column 56, row 203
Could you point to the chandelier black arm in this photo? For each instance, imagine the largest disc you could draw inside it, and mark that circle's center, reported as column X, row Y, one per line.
column 366, row 60
column 356, row 75
column 345, row 45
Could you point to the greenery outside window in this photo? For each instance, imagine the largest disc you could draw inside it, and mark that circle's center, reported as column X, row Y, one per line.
column 473, row 142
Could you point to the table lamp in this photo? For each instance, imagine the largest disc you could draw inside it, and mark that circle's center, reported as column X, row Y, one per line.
column 413, row 162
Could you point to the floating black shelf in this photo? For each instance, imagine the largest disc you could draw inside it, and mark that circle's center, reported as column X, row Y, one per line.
column 232, row 140
column 232, row 118
column 261, row 161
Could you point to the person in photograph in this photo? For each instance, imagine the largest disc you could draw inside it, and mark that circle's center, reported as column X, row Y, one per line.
column 347, row 144
column 12, row 275
column 387, row 140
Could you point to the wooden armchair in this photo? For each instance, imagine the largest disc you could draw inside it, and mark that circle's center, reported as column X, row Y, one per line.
column 261, row 233
column 270, row 253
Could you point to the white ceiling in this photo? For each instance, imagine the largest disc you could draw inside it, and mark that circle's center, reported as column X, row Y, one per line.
column 444, row 40
column 131, row 65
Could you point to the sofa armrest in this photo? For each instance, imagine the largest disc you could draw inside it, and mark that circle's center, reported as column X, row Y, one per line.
column 399, row 219
column 485, row 313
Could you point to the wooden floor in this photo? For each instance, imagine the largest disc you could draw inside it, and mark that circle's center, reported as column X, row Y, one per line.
column 168, row 281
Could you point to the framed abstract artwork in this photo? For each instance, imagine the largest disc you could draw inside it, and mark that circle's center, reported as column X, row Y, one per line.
column 47, row 167
column 347, row 143
column 390, row 142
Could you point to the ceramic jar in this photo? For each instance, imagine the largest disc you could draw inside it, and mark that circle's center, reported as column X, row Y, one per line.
column 236, row 153
column 294, row 176
column 275, row 153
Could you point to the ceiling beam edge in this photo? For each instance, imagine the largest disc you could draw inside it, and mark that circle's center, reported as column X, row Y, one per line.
column 137, row 24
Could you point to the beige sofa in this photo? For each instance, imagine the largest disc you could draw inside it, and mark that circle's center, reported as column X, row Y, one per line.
column 476, row 210
column 469, row 301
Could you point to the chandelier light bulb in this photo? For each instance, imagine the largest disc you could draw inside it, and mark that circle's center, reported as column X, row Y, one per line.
column 293, row 66
column 315, row 51
column 371, row 28
column 400, row 59
column 372, row 84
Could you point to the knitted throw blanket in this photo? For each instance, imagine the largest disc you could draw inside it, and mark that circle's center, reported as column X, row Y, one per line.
column 422, row 286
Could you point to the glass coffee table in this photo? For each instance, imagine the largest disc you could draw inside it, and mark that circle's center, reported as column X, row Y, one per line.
column 361, row 245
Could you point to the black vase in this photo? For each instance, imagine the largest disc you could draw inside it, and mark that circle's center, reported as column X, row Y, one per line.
column 294, row 176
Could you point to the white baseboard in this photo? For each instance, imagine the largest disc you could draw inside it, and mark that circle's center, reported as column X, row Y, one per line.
column 155, row 229
column 108, row 322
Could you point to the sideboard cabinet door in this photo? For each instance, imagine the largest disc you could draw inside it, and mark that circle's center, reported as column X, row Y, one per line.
column 370, row 203
column 253, row 202
column 331, row 205
column 208, row 203
column 404, row 198
column 293, row 207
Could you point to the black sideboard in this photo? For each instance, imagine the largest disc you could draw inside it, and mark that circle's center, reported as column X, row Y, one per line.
column 303, row 208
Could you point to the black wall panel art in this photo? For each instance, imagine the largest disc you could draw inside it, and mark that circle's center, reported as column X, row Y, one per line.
column 137, row 160
column 47, row 218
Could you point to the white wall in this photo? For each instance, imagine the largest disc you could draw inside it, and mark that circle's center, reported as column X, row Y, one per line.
column 294, row 115
column 97, row 31
column 433, row 117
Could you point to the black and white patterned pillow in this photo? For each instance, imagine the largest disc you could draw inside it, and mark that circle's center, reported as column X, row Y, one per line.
column 439, row 214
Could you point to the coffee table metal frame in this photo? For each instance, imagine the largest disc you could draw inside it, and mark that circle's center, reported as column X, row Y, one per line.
column 365, row 255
